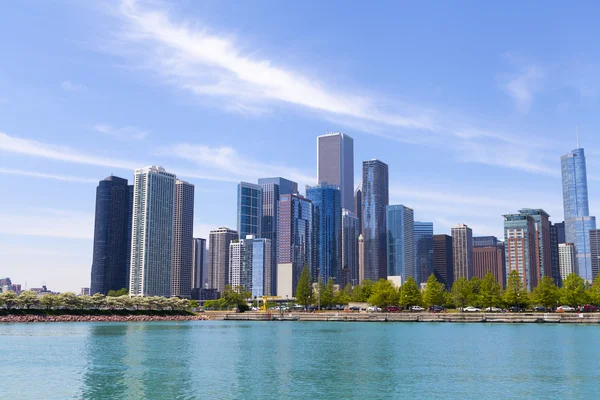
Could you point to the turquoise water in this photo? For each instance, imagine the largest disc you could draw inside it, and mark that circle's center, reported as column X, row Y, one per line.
column 298, row 360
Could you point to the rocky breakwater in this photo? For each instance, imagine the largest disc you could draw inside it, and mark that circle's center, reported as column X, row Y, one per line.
column 99, row 318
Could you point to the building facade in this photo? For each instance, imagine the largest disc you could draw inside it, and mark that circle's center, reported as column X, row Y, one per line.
column 567, row 254
column 112, row 235
column 462, row 251
column 400, row 242
column 520, row 248
column 249, row 209
column 183, row 240
column 152, row 232
column 350, row 232
column 218, row 257
column 578, row 221
column 358, row 206
column 200, row 264
column 375, row 199
column 335, row 164
column 490, row 259
column 554, row 242
column 443, row 260
column 484, row 241
column 423, row 243
column 250, row 265
column 542, row 242
column 595, row 252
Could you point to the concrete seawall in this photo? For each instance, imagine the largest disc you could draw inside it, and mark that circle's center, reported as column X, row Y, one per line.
column 411, row 317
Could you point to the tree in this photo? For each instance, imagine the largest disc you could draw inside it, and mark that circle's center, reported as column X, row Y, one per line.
column 118, row 293
column 97, row 301
column 461, row 292
column 9, row 299
column 327, row 294
column 475, row 285
column 410, row 294
column 434, row 292
column 49, row 301
column 449, row 300
column 362, row 292
column 573, row 292
column 384, row 294
column 29, row 299
column 304, row 292
column 515, row 293
column 546, row 293
column 490, row 292
column 234, row 298
column 343, row 296
column 593, row 292
column 194, row 304
column 69, row 300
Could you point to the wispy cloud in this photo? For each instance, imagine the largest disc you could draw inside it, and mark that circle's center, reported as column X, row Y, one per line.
column 69, row 86
column 523, row 85
column 43, row 175
column 48, row 223
column 123, row 133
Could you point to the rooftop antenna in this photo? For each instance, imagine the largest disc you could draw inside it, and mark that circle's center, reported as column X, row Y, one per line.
column 577, row 136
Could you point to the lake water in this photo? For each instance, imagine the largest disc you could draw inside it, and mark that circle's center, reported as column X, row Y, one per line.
column 298, row 360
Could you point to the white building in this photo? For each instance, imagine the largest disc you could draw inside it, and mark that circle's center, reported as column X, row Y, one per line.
column 567, row 259
column 152, row 232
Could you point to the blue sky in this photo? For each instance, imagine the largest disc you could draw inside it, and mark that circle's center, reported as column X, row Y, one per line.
column 471, row 105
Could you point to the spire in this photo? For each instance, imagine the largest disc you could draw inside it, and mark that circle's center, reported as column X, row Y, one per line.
column 578, row 136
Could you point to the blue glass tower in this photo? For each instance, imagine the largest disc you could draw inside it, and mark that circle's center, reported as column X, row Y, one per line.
column 327, row 225
column 249, row 209
column 578, row 221
column 399, row 221
column 423, row 240
column 375, row 198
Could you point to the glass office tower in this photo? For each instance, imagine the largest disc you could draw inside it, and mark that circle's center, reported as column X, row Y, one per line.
column 375, row 199
column 423, row 241
column 249, row 209
column 400, row 243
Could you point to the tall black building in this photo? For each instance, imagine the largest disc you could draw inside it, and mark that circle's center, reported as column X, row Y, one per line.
column 112, row 235
column 595, row 251
column 443, row 260
column 556, row 230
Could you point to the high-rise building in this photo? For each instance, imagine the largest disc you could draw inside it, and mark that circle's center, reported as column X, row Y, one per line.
column 595, row 251
column 200, row 264
column 554, row 242
column 294, row 242
column 183, row 240
column 250, row 265
column 272, row 189
column 578, row 221
column 335, row 164
column 152, row 232
column 358, row 206
column 542, row 243
column 327, row 227
column 218, row 257
column 423, row 243
column 490, row 259
column 443, row 260
column 462, row 251
column 484, row 241
column 112, row 235
column 361, row 258
column 375, row 199
column 249, row 209
column 400, row 242
column 350, row 232
column 560, row 232
column 567, row 254
column 520, row 237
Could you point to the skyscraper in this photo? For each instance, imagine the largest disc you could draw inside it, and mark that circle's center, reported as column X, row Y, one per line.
column 485, row 241
column 595, row 252
column 272, row 189
column 578, row 221
column 327, row 227
column 400, row 242
column 554, row 234
column 560, row 232
column 200, row 267
column 350, row 232
column 218, row 257
column 443, row 261
column 361, row 258
column 152, row 232
column 335, row 164
column 542, row 243
column 521, row 253
column 183, row 240
column 423, row 243
column 249, row 209
column 490, row 259
column 112, row 235
column 358, row 206
column 567, row 255
column 250, row 265
column 294, row 242
column 375, row 198
column 462, row 251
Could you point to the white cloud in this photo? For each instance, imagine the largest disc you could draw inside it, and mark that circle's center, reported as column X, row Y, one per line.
column 523, row 86
column 124, row 133
column 69, row 86
column 35, row 174
column 48, row 223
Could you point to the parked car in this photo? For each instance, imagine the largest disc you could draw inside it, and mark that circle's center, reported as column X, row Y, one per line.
column 436, row 309
column 392, row 309
column 471, row 309
column 540, row 309
column 516, row 309
column 354, row 308
column 590, row 308
column 373, row 309
column 493, row 309
column 565, row 309
column 417, row 309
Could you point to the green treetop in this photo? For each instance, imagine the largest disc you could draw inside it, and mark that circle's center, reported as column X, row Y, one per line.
column 434, row 292
column 384, row 294
column 410, row 294
column 304, row 292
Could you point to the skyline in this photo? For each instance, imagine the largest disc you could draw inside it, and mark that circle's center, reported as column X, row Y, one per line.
column 94, row 111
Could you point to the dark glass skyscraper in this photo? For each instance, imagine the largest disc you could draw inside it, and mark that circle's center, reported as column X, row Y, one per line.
column 443, row 260
column 375, row 198
column 249, row 210
column 595, row 251
column 327, row 226
column 112, row 235
column 578, row 221
column 358, row 210
column 423, row 241
column 400, row 251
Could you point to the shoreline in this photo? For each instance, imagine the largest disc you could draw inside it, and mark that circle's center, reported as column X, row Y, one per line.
column 28, row 318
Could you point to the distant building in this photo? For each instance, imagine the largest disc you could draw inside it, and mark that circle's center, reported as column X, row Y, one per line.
column 183, row 240
column 250, row 265
column 490, row 259
column 595, row 251
column 200, row 264
column 112, row 235
column 350, row 232
column 152, row 232
column 554, row 242
column 400, row 242
column 443, row 260
column 423, row 243
column 218, row 257
column 560, row 232
column 375, row 199
column 567, row 254
column 249, row 209
column 358, row 210
column 484, row 241
column 542, row 243
column 462, row 251
column 335, row 164
column 85, row 291
column 16, row 287
column 578, row 221
column 361, row 258
column 520, row 247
